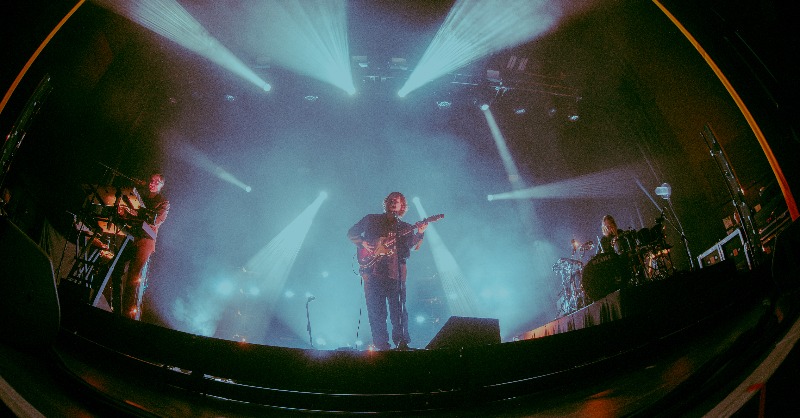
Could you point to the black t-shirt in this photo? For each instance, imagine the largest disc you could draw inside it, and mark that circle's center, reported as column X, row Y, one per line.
column 379, row 226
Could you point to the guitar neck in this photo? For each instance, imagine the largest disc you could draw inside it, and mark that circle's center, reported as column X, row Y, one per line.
column 419, row 224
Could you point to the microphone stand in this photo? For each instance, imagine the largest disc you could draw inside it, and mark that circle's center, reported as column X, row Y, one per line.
column 399, row 283
column 308, row 321
column 679, row 229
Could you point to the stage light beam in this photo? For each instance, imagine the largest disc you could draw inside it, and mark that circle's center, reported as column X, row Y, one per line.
column 476, row 28
column 615, row 182
column 460, row 300
column 193, row 156
column 273, row 263
column 170, row 20
column 309, row 38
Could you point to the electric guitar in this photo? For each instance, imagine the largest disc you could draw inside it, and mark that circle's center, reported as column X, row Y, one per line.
column 385, row 245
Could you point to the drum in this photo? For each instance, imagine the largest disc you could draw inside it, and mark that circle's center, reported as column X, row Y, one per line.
column 605, row 273
column 625, row 242
column 650, row 236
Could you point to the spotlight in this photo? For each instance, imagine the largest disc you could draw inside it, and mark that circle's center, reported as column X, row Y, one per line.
column 665, row 191
column 573, row 118
column 323, row 195
column 230, row 97
column 311, row 98
column 266, row 86
column 444, row 104
column 520, row 111
column 552, row 112
column 490, row 197
column 248, row 189
column 484, row 107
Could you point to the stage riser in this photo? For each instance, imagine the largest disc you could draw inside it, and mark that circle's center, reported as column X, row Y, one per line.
column 690, row 293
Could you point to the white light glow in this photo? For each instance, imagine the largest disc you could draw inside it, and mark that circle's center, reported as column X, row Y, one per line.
column 225, row 287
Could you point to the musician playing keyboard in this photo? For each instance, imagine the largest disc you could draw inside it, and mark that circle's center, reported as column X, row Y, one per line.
column 389, row 241
column 129, row 273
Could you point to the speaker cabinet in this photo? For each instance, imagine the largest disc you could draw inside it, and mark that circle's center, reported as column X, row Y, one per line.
column 29, row 308
column 461, row 331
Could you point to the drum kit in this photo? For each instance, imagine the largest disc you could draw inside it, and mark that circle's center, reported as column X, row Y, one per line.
column 637, row 257
column 570, row 270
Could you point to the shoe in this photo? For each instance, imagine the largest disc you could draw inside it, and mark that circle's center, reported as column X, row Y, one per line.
column 374, row 347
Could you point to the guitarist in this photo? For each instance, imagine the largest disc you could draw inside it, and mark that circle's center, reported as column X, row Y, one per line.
column 389, row 240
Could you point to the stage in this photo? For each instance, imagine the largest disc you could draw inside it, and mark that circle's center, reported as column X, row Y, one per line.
column 692, row 338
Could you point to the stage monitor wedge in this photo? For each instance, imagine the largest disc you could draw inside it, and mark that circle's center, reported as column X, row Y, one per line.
column 459, row 332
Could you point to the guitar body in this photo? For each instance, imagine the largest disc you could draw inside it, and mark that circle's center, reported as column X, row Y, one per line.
column 385, row 246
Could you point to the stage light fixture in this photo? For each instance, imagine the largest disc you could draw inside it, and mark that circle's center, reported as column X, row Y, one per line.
column 518, row 64
column 360, row 61
column 484, row 106
column 444, row 104
column 493, row 76
column 573, row 118
column 398, row 64
column 664, row 190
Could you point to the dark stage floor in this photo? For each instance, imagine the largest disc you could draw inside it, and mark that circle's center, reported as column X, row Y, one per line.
column 710, row 355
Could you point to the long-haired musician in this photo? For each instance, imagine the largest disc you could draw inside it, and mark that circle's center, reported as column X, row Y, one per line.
column 608, row 243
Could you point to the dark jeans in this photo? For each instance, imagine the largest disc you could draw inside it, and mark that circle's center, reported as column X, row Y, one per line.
column 378, row 292
column 124, row 298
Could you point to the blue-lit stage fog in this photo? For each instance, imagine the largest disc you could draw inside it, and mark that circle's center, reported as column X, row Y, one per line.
column 278, row 125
